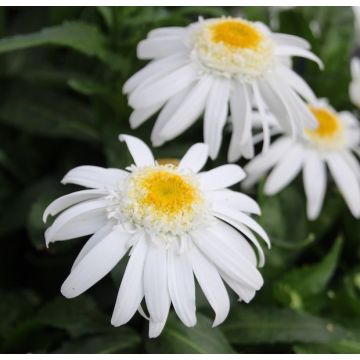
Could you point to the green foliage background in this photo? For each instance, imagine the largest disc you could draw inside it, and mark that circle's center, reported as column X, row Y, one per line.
column 61, row 105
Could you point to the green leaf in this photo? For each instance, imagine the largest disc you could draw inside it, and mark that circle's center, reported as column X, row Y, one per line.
column 118, row 340
column 267, row 325
column 77, row 316
column 301, row 283
column 330, row 213
column 16, row 214
column 14, row 306
column 80, row 36
column 342, row 347
column 106, row 14
column 52, row 115
column 176, row 338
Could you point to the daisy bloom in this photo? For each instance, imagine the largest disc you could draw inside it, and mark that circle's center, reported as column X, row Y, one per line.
column 354, row 88
column 217, row 66
column 330, row 144
column 176, row 224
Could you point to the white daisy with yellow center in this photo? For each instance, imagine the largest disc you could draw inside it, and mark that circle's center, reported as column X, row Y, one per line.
column 216, row 67
column 331, row 144
column 176, row 224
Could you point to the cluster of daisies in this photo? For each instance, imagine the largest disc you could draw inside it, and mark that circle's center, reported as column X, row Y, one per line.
column 177, row 223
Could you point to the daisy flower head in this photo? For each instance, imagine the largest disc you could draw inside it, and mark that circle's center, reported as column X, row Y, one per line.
column 175, row 222
column 330, row 145
column 354, row 88
column 217, row 66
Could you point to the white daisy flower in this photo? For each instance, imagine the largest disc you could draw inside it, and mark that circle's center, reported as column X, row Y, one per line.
column 354, row 88
column 330, row 144
column 175, row 222
column 215, row 65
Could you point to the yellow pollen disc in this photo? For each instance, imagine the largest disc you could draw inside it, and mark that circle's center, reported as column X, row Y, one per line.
column 236, row 33
column 329, row 125
column 167, row 193
column 232, row 48
column 329, row 132
column 161, row 199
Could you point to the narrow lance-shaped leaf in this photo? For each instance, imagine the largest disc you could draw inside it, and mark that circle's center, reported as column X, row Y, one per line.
column 302, row 283
column 78, row 35
column 176, row 338
column 266, row 325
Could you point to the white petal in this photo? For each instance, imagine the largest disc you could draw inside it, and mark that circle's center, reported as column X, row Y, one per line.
column 354, row 92
column 163, row 89
column 181, row 286
column 292, row 40
column 241, row 120
column 139, row 151
column 314, row 177
column 159, row 47
column 188, row 111
column 79, row 220
column 216, row 112
column 247, row 149
column 303, row 112
column 66, row 201
column 221, row 177
column 195, row 158
column 93, row 241
column 211, row 284
column 250, row 236
column 355, row 67
column 167, row 31
column 235, row 242
column 100, row 260
column 285, row 171
column 264, row 119
column 277, row 104
column 233, row 263
column 170, row 107
column 131, row 289
column 348, row 118
column 235, row 200
column 245, row 293
column 286, row 50
column 353, row 162
column 297, row 83
column 155, row 283
column 263, row 162
column 154, row 70
column 94, row 177
column 346, row 181
column 241, row 218
column 139, row 116
column 155, row 328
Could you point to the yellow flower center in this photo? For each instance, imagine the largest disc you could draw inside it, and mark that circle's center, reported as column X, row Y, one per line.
column 167, row 193
column 329, row 132
column 160, row 199
column 232, row 47
column 236, row 34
